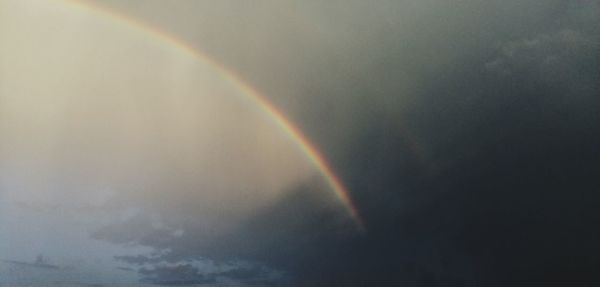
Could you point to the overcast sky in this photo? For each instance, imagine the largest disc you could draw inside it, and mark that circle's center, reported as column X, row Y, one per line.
column 467, row 133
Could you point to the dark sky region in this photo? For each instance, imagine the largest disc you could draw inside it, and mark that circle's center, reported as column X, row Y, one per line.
column 468, row 134
column 467, row 131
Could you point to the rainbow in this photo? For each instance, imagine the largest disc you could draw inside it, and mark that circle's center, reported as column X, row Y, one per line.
column 302, row 142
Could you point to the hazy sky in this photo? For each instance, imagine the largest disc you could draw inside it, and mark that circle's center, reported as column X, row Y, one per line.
column 466, row 131
column 107, row 128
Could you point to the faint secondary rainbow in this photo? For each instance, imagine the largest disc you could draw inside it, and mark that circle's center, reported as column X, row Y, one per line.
column 303, row 143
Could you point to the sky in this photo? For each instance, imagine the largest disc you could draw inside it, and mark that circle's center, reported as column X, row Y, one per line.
column 467, row 134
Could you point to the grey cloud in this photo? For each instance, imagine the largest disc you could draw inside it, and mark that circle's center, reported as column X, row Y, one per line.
column 564, row 53
column 255, row 276
column 177, row 275
column 138, row 259
column 86, row 284
column 139, row 229
column 569, row 46
column 193, row 272
column 126, row 269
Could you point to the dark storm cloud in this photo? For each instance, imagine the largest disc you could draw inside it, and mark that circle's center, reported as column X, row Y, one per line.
column 157, row 270
column 255, row 276
column 468, row 134
column 178, row 275
column 508, row 121
column 136, row 230
column 182, row 274
column 138, row 259
column 86, row 284
column 515, row 151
